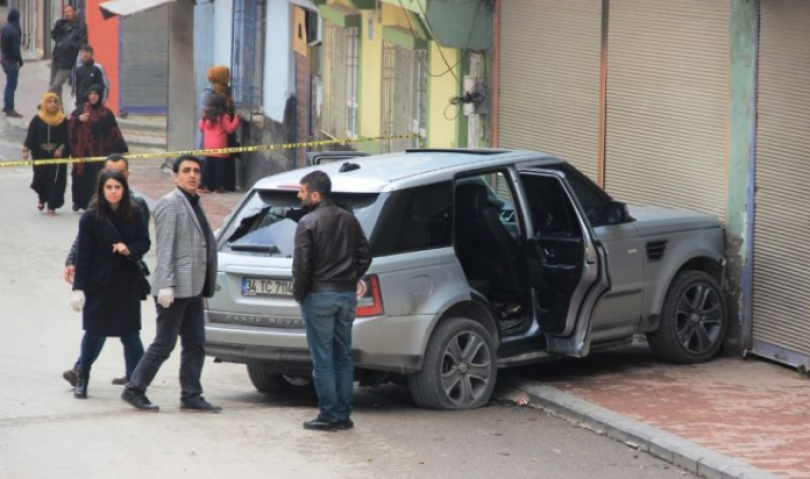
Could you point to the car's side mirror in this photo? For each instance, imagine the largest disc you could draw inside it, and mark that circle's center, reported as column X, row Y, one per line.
column 617, row 213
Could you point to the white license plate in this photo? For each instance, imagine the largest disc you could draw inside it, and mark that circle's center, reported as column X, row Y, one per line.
column 266, row 287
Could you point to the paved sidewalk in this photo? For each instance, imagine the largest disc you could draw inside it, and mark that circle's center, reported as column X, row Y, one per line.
column 728, row 413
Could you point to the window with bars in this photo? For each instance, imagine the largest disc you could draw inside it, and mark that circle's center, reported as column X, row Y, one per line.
column 404, row 96
column 341, row 69
column 247, row 55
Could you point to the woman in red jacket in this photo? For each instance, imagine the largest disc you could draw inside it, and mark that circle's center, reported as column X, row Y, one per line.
column 216, row 124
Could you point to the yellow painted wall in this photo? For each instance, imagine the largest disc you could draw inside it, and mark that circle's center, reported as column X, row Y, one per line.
column 441, row 131
column 394, row 16
column 371, row 73
column 345, row 3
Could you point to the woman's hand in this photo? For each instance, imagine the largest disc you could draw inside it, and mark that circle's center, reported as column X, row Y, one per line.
column 58, row 152
column 84, row 117
column 25, row 154
column 121, row 249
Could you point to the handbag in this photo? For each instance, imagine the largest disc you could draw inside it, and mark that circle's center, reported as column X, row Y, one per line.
column 141, row 269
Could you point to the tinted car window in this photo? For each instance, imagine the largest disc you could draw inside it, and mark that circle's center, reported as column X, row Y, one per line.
column 415, row 219
column 592, row 198
column 266, row 223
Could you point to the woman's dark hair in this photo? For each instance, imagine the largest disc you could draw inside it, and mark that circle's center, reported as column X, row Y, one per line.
column 217, row 106
column 100, row 204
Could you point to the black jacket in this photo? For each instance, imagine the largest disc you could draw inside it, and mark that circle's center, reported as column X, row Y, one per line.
column 69, row 38
column 331, row 252
column 10, row 38
column 85, row 76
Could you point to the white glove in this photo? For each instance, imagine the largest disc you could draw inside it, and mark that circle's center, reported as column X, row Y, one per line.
column 165, row 297
column 77, row 300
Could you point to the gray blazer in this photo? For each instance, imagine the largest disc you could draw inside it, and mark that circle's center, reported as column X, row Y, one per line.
column 186, row 250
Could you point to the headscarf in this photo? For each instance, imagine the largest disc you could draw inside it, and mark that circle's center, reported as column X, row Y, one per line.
column 98, row 90
column 13, row 16
column 49, row 118
column 220, row 77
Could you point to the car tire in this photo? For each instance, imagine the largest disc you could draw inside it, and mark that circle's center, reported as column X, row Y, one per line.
column 693, row 320
column 460, row 367
column 269, row 380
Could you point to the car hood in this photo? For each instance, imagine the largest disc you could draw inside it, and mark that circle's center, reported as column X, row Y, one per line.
column 655, row 220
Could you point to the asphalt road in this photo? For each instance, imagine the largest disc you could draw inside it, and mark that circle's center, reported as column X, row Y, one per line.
column 45, row 433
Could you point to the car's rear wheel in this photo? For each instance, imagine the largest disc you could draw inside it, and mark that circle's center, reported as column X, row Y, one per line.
column 693, row 320
column 269, row 380
column 459, row 369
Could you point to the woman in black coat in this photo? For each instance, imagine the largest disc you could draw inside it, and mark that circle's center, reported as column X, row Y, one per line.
column 112, row 238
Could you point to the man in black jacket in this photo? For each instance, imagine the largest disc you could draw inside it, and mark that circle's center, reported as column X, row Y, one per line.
column 331, row 255
column 86, row 74
column 11, row 59
column 69, row 34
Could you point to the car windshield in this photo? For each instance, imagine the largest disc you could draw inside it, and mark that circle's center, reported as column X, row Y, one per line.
column 266, row 222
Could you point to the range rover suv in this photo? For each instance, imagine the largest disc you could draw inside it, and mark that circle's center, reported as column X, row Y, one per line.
column 482, row 259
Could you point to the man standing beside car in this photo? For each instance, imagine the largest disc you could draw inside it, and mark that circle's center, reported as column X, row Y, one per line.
column 331, row 255
column 185, row 273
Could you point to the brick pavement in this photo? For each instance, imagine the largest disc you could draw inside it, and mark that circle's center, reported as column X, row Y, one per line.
column 749, row 410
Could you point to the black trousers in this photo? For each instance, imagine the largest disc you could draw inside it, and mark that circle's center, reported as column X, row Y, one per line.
column 184, row 318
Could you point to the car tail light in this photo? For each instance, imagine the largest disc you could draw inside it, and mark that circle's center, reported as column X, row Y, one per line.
column 369, row 298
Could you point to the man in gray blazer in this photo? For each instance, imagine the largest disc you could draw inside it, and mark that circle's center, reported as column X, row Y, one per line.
column 185, row 273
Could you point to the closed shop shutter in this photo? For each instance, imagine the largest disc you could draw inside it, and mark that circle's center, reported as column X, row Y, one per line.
column 667, row 103
column 550, row 57
column 144, row 62
column 781, row 297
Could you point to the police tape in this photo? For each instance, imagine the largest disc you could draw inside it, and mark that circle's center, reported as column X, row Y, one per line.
column 237, row 149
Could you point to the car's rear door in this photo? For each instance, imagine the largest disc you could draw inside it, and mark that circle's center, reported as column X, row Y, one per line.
column 567, row 265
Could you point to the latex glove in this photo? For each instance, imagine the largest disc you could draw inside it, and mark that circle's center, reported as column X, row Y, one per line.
column 77, row 300
column 165, row 297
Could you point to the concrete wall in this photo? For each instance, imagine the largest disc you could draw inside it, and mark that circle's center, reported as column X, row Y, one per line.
column 279, row 73
column 182, row 99
column 222, row 32
column 442, row 122
column 370, row 78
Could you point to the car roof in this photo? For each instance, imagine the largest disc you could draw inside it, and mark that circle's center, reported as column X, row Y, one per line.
column 406, row 169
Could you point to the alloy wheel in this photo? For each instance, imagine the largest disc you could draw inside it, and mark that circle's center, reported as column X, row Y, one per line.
column 466, row 368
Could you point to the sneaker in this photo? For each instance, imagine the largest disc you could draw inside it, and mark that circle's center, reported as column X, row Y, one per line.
column 71, row 376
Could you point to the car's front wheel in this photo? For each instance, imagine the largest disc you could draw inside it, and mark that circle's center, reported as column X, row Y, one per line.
column 268, row 380
column 693, row 321
column 459, row 369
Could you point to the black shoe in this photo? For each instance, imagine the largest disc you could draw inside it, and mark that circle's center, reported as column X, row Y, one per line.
column 71, row 376
column 138, row 400
column 75, row 207
column 121, row 381
column 318, row 424
column 80, row 391
column 343, row 424
column 199, row 405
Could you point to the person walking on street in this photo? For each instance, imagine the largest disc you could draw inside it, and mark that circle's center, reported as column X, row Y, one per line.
column 216, row 125
column 48, row 138
column 115, row 162
column 331, row 255
column 93, row 132
column 11, row 59
column 86, row 73
column 106, row 289
column 69, row 34
column 185, row 273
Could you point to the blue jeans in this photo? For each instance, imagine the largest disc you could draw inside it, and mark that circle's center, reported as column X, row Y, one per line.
column 92, row 344
column 12, row 74
column 328, row 319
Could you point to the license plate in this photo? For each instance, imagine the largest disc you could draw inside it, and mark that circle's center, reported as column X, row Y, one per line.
column 266, row 287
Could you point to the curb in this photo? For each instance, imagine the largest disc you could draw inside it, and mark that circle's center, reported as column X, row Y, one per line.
column 669, row 447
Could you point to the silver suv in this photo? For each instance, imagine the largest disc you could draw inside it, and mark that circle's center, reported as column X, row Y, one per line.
column 482, row 259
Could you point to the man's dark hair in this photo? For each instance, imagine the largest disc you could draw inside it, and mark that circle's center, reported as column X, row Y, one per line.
column 318, row 181
column 86, row 48
column 116, row 157
column 177, row 161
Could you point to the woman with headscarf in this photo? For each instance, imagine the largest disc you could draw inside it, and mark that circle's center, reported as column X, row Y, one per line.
column 48, row 138
column 219, row 79
column 93, row 132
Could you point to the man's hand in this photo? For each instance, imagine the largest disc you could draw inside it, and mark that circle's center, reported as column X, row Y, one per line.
column 77, row 301
column 165, row 297
column 70, row 271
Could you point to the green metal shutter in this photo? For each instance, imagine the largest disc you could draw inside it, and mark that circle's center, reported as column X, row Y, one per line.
column 667, row 103
column 781, row 296
column 550, row 61
column 144, row 62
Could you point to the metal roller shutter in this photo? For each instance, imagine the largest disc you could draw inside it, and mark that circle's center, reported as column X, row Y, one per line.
column 667, row 103
column 550, row 69
column 145, row 61
column 781, row 297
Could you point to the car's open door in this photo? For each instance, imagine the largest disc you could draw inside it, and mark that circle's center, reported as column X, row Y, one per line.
column 315, row 158
column 567, row 266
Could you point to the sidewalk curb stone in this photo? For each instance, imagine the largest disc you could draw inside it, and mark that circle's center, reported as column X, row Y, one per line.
column 669, row 447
